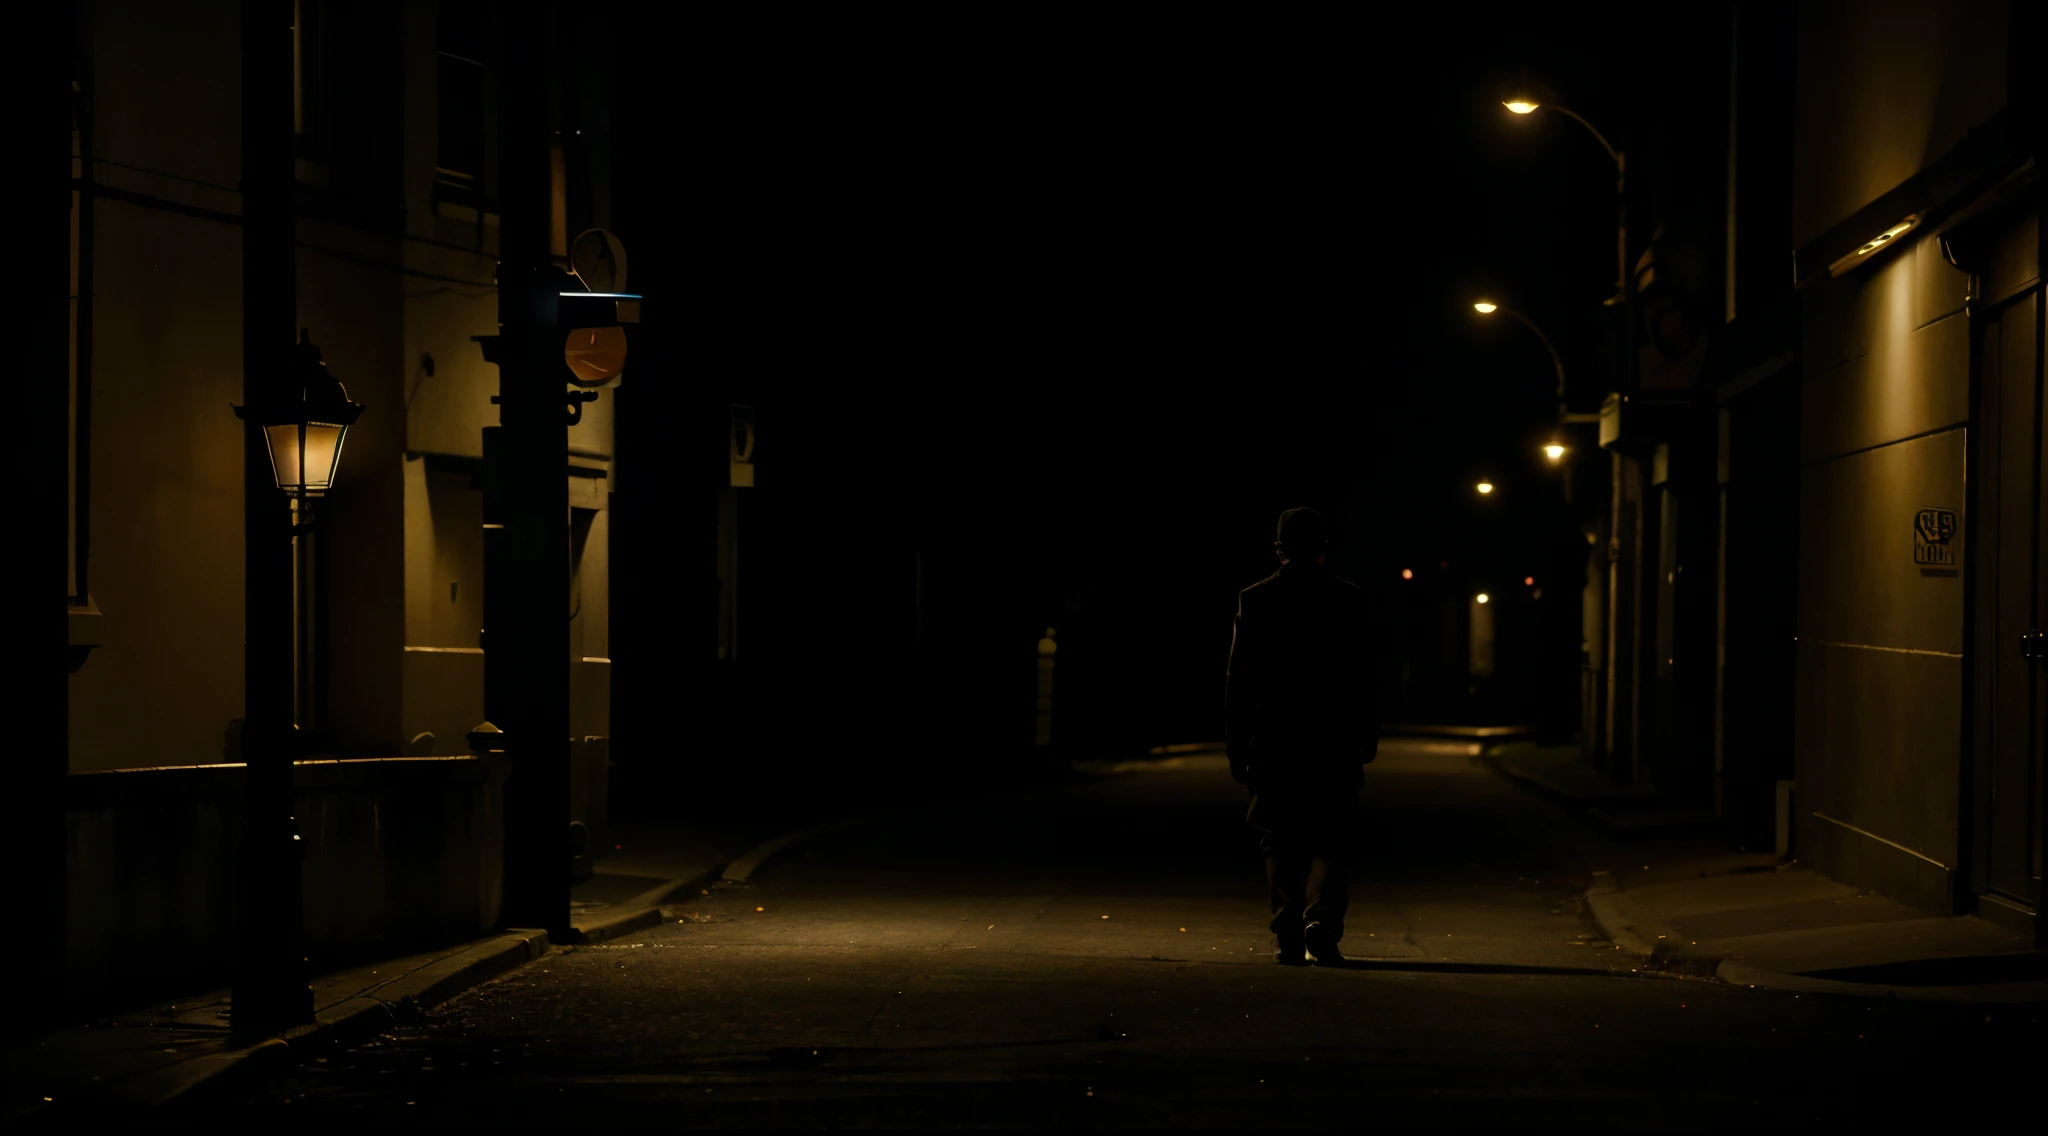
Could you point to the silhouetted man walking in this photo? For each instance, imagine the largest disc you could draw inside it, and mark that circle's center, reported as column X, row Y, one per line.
column 1301, row 722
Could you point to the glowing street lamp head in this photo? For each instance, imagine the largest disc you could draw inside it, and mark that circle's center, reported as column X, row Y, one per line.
column 1485, row 487
column 1407, row 573
column 1485, row 307
column 1553, row 451
column 1521, row 106
column 1483, row 597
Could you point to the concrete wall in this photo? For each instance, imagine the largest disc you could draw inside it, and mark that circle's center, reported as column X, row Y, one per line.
column 393, row 286
column 166, row 467
column 166, row 479
column 1884, row 88
column 1880, row 652
column 399, row 853
column 393, row 309
column 347, row 287
column 443, row 671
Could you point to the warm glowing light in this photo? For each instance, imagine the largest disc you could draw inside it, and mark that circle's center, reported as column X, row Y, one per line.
column 1520, row 106
column 1529, row 580
column 1407, row 573
column 1485, row 307
column 1553, row 451
column 1483, row 597
column 1485, row 487
column 595, row 354
column 1884, row 238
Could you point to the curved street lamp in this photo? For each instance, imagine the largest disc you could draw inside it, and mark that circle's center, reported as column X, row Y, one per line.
column 1488, row 307
column 1554, row 450
column 1529, row 105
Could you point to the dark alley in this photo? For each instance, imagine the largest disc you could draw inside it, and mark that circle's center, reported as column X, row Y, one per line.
column 1091, row 956
column 656, row 564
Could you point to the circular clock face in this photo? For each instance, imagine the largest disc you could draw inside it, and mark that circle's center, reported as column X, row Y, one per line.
column 595, row 354
column 599, row 260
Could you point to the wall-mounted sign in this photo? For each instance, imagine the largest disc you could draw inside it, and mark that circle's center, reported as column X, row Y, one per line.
column 1934, row 532
column 742, row 452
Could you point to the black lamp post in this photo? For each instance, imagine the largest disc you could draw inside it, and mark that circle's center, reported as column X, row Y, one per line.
column 1528, row 104
column 302, row 419
column 271, row 989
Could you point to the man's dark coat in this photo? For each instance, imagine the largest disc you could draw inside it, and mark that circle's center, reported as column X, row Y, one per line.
column 1300, row 703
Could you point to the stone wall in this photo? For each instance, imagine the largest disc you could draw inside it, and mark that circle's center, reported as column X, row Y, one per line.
column 401, row 853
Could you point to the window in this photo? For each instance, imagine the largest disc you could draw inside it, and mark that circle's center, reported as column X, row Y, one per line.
column 460, row 126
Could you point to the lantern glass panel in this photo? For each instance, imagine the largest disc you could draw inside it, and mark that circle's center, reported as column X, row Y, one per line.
column 307, row 469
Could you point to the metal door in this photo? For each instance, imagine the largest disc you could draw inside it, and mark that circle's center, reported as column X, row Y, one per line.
column 2010, row 675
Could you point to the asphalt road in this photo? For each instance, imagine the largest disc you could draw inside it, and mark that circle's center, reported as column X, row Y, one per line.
column 1096, row 955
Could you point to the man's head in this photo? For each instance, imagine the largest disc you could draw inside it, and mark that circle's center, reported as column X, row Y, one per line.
column 1303, row 535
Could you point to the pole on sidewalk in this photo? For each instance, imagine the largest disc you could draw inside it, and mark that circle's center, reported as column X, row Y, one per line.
column 271, row 977
column 530, row 579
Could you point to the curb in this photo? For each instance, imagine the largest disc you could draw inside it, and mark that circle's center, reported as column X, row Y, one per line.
column 642, row 911
column 346, row 1023
column 1634, row 930
column 1640, row 933
column 1990, row 993
column 741, row 871
column 1620, row 813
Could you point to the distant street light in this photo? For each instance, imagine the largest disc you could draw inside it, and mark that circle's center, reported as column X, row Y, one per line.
column 1483, row 597
column 1554, row 452
column 1407, row 573
column 1488, row 307
column 1485, row 487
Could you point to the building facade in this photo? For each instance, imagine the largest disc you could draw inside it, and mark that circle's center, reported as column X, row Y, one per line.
column 1824, row 589
column 1916, row 225
column 396, row 256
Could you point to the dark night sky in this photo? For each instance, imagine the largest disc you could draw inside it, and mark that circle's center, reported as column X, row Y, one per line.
column 1119, row 292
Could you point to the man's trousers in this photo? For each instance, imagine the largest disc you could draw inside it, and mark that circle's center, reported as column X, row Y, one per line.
column 1308, row 839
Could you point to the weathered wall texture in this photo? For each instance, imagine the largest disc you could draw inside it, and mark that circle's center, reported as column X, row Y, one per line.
column 1885, row 431
column 393, row 304
column 392, row 285
column 1884, row 88
column 399, row 853
column 1880, row 654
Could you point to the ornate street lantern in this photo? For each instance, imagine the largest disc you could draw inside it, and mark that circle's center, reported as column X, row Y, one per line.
column 304, row 434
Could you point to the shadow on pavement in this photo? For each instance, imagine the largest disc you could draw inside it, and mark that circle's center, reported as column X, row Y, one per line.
column 1468, row 968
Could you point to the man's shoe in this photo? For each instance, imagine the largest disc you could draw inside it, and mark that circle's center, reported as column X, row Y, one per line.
column 1321, row 945
column 1292, row 952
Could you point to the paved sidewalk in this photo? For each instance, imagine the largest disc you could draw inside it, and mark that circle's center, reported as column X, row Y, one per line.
column 1627, row 812
column 1686, row 902
column 1096, row 955
column 167, row 1052
column 1788, row 928
column 650, row 865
